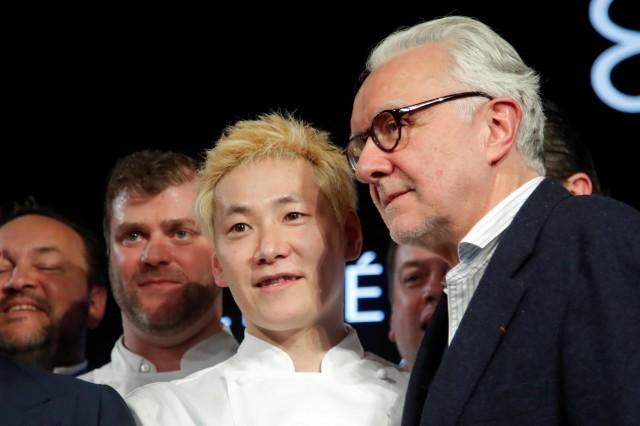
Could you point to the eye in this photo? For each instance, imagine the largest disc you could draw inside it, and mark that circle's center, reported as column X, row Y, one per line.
column 291, row 216
column 182, row 234
column 413, row 279
column 48, row 267
column 385, row 124
column 132, row 236
column 5, row 266
column 239, row 228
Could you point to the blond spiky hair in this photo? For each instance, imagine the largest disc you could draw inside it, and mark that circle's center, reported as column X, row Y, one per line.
column 276, row 136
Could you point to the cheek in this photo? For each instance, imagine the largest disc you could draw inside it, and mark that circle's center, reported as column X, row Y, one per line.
column 62, row 292
column 227, row 267
column 122, row 259
column 195, row 261
column 412, row 304
column 374, row 195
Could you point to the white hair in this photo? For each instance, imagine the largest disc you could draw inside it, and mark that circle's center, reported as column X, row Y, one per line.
column 483, row 61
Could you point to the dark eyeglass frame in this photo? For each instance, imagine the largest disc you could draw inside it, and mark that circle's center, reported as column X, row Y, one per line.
column 397, row 114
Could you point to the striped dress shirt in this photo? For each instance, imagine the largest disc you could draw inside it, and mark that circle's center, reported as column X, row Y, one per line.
column 476, row 249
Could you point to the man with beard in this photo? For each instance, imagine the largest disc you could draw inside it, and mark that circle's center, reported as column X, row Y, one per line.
column 160, row 272
column 52, row 288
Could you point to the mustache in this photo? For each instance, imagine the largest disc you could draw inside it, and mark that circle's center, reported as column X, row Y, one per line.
column 38, row 300
column 163, row 273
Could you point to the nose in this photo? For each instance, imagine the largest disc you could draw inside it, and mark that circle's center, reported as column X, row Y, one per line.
column 373, row 163
column 431, row 292
column 156, row 252
column 20, row 278
column 271, row 247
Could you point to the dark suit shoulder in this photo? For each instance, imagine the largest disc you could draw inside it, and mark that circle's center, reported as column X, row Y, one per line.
column 32, row 396
column 595, row 210
column 593, row 226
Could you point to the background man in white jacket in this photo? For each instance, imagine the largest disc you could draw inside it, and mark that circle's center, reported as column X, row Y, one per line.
column 160, row 271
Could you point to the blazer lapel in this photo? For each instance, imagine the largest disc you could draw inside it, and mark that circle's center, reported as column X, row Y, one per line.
column 490, row 310
column 477, row 337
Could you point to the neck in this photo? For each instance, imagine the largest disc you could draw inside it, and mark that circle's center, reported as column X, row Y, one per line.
column 503, row 184
column 166, row 354
column 69, row 351
column 37, row 357
column 306, row 347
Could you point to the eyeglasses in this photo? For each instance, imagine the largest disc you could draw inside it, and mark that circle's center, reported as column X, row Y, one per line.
column 386, row 127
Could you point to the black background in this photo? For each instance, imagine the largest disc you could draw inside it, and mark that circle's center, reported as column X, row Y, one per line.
column 85, row 87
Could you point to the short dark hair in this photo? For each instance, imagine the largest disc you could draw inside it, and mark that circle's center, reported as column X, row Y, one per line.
column 147, row 172
column 94, row 254
column 564, row 152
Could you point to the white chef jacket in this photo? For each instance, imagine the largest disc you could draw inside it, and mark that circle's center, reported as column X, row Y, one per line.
column 128, row 370
column 259, row 386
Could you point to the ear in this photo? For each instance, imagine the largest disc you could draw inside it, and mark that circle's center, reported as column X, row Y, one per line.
column 97, row 305
column 578, row 184
column 216, row 268
column 353, row 236
column 503, row 118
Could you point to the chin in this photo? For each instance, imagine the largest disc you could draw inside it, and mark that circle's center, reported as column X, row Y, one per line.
column 419, row 231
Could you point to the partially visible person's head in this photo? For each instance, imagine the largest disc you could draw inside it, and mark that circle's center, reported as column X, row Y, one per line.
column 159, row 262
column 433, row 172
column 279, row 202
column 53, row 287
column 566, row 158
column 415, row 277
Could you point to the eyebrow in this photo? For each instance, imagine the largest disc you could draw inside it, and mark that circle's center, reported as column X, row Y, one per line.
column 175, row 223
column 283, row 200
column 165, row 224
column 415, row 264
column 46, row 250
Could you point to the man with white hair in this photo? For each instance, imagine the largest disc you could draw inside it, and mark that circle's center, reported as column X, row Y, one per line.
column 541, row 319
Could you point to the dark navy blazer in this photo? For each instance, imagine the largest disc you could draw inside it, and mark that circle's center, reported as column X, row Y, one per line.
column 29, row 396
column 552, row 334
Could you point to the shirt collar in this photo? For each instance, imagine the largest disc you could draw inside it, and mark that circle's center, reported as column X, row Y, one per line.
column 491, row 225
column 197, row 357
column 263, row 355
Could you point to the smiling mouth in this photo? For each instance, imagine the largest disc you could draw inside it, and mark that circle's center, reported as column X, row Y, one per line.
column 21, row 308
column 270, row 282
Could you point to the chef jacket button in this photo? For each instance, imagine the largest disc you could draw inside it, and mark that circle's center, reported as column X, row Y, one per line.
column 382, row 374
column 241, row 381
column 145, row 368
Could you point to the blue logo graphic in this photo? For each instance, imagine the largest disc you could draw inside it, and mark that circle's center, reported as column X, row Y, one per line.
column 627, row 45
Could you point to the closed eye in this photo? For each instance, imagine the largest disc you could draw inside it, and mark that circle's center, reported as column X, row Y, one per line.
column 48, row 268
